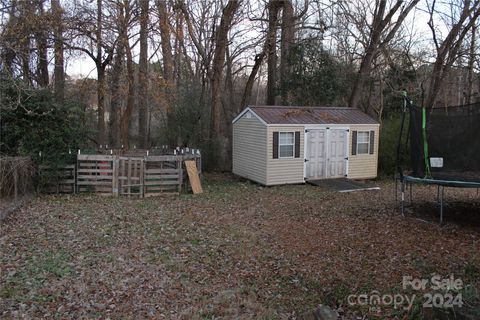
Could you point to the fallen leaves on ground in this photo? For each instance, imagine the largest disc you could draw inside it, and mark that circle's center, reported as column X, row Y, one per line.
column 237, row 251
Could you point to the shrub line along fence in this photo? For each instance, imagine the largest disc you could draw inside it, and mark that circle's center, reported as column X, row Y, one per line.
column 16, row 183
column 123, row 175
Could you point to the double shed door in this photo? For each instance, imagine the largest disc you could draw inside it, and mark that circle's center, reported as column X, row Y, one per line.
column 326, row 153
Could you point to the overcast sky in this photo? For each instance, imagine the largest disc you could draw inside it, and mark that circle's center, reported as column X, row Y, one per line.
column 82, row 66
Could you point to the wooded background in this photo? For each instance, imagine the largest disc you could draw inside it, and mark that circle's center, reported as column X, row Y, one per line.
column 176, row 72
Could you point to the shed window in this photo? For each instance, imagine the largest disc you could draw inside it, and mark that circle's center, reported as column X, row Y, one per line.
column 286, row 143
column 363, row 142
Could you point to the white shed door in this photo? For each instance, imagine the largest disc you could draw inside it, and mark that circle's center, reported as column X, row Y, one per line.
column 337, row 153
column 316, row 153
column 326, row 153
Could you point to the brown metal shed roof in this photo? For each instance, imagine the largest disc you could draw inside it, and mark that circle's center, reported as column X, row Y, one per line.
column 311, row 115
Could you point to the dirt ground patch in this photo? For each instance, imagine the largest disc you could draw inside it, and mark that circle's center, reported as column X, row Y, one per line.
column 237, row 251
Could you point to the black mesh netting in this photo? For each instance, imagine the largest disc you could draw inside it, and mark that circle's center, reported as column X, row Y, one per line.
column 453, row 136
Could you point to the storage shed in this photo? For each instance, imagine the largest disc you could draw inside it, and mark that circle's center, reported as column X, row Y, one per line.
column 275, row 145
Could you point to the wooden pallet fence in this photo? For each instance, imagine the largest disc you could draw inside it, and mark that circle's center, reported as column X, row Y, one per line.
column 163, row 174
column 129, row 176
column 95, row 173
column 116, row 175
column 59, row 179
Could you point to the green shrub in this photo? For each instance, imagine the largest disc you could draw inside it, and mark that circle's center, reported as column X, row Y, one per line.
column 317, row 77
column 389, row 134
column 33, row 124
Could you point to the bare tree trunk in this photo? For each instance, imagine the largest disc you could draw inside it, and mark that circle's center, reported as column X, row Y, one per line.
column 363, row 74
column 168, row 73
column 42, row 47
column 218, row 128
column 247, row 93
column 447, row 51
column 127, row 114
column 288, row 37
column 101, row 140
column 379, row 24
column 143, row 76
column 273, row 8
column 24, row 42
column 115, row 102
column 10, row 33
column 471, row 62
column 59, row 71
column 229, row 104
column 179, row 39
column 100, row 79
column 168, row 64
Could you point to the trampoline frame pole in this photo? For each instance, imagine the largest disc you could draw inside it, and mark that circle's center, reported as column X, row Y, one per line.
column 396, row 190
column 411, row 194
column 402, row 200
column 441, row 202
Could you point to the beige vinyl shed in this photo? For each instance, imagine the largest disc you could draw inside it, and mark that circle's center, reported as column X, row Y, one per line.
column 275, row 145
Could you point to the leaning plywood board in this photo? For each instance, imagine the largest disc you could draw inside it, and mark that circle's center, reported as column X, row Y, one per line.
column 193, row 176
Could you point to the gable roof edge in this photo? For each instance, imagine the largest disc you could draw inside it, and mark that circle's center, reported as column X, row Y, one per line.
column 253, row 112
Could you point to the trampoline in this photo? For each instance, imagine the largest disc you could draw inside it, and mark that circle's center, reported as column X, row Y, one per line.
column 444, row 148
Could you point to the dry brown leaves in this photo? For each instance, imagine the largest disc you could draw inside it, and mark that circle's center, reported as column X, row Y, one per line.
column 237, row 251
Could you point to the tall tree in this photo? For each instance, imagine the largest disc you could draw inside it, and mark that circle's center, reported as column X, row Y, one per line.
column 143, row 75
column 101, row 65
column 287, row 39
column 87, row 26
column 116, row 95
column 382, row 30
column 168, row 64
column 273, row 10
column 9, row 36
column 449, row 47
column 59, row 69
column 126, row 15
column 471, row 62
column 25, row 13
column 39, row 29
column 218, row 119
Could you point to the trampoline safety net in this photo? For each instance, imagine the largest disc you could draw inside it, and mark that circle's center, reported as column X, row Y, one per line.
column 445, row 142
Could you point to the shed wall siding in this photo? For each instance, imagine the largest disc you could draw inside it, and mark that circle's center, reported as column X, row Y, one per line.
column 249, row 149
column 363, row 166
column 284, row 170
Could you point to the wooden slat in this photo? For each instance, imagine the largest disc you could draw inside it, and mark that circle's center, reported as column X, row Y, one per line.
column 142, row 177
column 94, row 183
column 193, row 176
column 95, row 157
column 95, row 170
column 165, row 176
column 129, row 174
column 160, row 171
column 94, row 178
column 132, row 178
column 162, row 158
column 88, row 165
column 161, row 183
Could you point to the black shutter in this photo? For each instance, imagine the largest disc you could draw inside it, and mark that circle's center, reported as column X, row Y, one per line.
column 297, row 144
column 372, row 141
column 354, row 143
column 275, row 145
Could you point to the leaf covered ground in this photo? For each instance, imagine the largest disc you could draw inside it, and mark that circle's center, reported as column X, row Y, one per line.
column 238, row 251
